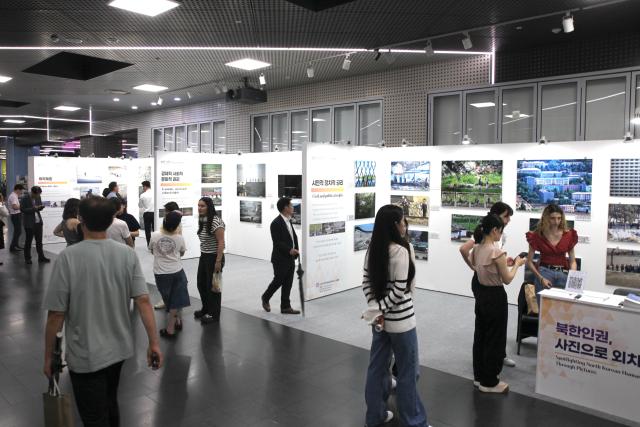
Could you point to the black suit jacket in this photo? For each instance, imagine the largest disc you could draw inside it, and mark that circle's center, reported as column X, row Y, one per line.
column 29, row 211
column 282, row 243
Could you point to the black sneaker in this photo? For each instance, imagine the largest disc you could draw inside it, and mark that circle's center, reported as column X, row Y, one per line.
column 207, row 318
column 198, row 314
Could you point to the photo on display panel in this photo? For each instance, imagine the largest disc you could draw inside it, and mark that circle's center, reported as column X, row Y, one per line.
column 410, row 176
column 471, row 184
column 533, row 223
column 86, row 174
column 251, row 180
column 365, row 205
column 251, row 211
column 214, row 193
column 566, row 183
column 420, row 242
column 185, row 212
column 365, row 173
column 327, row 228
column 211, row 173
column 296, row 219
column 624, row 223
column 88, row 191
column 625, row 178
column 462, row 227
column 414, row 208
column 362, row 236
column 290, row 186
column 623, row 268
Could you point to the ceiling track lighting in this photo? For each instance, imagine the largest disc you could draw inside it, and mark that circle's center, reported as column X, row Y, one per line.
column 346, row 64
column 429, row 49
column 466, row 140
column 310, row 71
column 262, row 79
column 466, row 41
column 567, row 23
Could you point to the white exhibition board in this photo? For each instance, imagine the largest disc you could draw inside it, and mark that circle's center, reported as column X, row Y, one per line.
column 331, row 271
column 185, row 177
column 63, row 178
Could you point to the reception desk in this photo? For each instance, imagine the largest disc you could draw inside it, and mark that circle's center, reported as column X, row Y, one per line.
column 589, row 352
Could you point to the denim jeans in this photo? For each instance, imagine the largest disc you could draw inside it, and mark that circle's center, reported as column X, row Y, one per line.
column 405, row 348
column 558, row 279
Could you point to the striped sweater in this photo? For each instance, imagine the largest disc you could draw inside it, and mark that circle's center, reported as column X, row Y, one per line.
column 397, row 305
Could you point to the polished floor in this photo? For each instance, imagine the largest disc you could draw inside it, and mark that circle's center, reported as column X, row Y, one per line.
column 245, row 371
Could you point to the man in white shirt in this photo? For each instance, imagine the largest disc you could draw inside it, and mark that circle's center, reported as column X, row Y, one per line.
column 119, row 230
column 146, row 204
column 13, row 206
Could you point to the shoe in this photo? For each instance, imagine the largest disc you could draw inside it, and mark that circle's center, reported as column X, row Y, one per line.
column 501, row 387
column 198, row 314
column 159, row 306
column 476, row 383
column 389, row 417
column 394, row 383
column 14, row 250
column 266, row 306
column 44, row 260
column 178, row 325
column 207, row 318
column 289, row 311
column 165, row 334
column 509, row 362
column 28, row 261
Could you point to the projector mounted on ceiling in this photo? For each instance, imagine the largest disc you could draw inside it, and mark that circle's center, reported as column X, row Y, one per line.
column 246, row 94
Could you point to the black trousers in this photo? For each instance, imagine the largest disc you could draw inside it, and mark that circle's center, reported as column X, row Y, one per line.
column 96, row 396
column 149, row 226
column 282, row 278
column 16, row 221
column 490, row 336
column 1, row 235
column 29, row 234
column 211, row 301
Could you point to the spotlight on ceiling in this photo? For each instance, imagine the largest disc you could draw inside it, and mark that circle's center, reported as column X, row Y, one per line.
column 543, row 140
column 466, row 41
column 429, row 49
column 153, row 104
column 189, row 96
column 567, row 23
column 310, row 71
column 134, row 107
column 628, row 137
column 636, row 117
column 116, row 99
column 177, row 99
column 160, row 100
column 263, row 80
column 466, row 140
column 404, row 143
column 346, row 64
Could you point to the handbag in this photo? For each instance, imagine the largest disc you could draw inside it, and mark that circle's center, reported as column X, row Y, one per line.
column 216, row 285
column 57, row 407
column 532, row 301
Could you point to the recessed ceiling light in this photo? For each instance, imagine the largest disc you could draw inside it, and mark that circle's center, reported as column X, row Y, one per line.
column 66, row 108
column 177, row 99
column 14, row 121
column 248, row 64
column 145, row 7
column 4, row 79
column 134, row 107
column 150, row 88
column 116, row 99
column 483, row 104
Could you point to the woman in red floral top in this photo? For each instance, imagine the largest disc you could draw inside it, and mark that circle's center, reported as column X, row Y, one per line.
column 555, row 242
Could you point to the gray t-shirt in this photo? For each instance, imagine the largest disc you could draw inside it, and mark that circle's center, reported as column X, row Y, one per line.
column 118, row 231
column 92, row 282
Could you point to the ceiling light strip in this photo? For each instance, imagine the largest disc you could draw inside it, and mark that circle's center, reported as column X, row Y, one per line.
column 43, row 118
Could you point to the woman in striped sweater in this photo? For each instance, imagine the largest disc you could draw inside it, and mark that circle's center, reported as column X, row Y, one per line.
column 388, row 284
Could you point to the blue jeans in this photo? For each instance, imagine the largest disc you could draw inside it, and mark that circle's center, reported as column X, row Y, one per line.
column 405, row 348
column 558, row 279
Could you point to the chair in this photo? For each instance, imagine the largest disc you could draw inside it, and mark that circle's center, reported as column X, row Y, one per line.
column 624, row 292
column 527, row 324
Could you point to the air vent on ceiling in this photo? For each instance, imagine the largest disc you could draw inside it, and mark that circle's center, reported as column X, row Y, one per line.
column 12, row 104
column 74, row 66
column 318, row 5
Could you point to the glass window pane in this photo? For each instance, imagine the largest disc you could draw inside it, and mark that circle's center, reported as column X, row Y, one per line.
column 279, row 132
column 158, row 142
column 169, row 144
column 446, row 120
column 559, row 112
column 321, row 125
column 260, row 134
column 636, row 119
column 606, row 99
column 370, row 123
column 219, row 133
column 181, row 140
column 481, row 117
column 299, row 129
column 206, row 138
column 518, row 117
column 345, row 124
column 193, row 138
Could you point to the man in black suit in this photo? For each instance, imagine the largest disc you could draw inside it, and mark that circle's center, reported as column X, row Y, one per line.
column 31, row 205
column 283, row 257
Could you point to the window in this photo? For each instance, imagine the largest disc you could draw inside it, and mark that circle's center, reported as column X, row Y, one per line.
column 446, row 120
column 280, row 132
column 299, row 129
column 206, row 138
column 344, row 120
column 606, row 101
column 158, row 141
column 370, row 123
column 321, row 125
column 481, row 117
column 559, row 111
column 220, row 137
column 181, row 140
column 518, row 115
column 169, row 144
column 261, row 134
column 636, row 108
column 193, row 138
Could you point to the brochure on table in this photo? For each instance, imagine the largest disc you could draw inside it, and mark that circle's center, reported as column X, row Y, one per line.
column 65, row 177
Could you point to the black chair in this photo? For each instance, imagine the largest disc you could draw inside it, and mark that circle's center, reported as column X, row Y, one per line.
column 527, row 323
column 624, row 292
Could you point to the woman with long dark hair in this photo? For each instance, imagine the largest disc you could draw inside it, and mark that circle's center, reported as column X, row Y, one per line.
column 211, row 233
column 490, row 336
column 388, row 284
column 70, row 227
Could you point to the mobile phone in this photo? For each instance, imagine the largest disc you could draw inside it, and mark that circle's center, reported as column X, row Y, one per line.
column 523, row 254
column 155, row 360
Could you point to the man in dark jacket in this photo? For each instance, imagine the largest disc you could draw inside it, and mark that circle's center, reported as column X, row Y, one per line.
column 30, row 206
column 283, row 257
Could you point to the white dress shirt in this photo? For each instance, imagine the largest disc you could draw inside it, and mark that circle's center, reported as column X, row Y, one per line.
column 146, row 201
column 289, row 229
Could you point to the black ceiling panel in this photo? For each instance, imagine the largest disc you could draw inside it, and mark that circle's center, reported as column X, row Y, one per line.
column 75, row 66
column 318, row 5
column 12, row 104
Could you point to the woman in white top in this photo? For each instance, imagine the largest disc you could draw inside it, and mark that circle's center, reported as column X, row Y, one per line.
column 490, row 264
column 167, row 247
column 388, row 284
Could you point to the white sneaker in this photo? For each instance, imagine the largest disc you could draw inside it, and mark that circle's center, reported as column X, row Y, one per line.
column 501, row 387
column 394, row 383
column 509, row 362
column 476, row 383
column 159, row 306
column 389, row 417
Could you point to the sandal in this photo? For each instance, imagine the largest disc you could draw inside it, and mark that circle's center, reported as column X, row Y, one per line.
column 178, row 326
column 165, row 334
